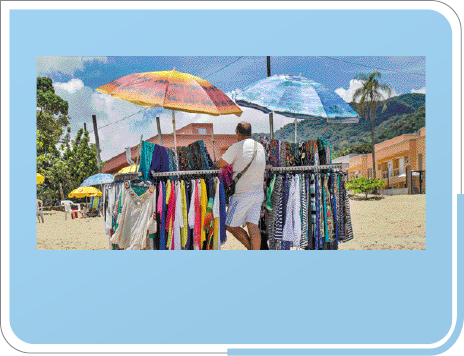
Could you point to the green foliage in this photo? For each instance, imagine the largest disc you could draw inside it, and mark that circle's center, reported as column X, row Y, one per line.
column 68, row 163
column 362, row 148
column 401, row 124
column 344, row 136
column 52, row 117
column 82, row 158
column 365, row 185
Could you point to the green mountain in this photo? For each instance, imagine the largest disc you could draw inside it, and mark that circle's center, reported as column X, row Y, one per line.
column 402, row 114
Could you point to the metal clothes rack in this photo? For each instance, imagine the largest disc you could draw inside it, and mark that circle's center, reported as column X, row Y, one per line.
column 184, row 173
column 335, row 166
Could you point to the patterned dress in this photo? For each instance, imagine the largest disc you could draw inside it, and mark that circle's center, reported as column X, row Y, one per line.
column 304, row 213
column 274, row 153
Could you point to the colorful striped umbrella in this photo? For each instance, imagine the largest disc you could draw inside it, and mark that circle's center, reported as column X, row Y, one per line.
column 296, row 97
column 82, row 192
column 99, row 178
column 172, row 90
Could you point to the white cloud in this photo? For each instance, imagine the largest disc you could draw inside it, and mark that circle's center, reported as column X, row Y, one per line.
column 418, row 91
column 71, row 87
column 64, row 65
column 347, row 94
column 85, row 102
column 124, row 131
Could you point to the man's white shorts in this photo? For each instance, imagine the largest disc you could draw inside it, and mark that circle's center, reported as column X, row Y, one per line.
column 244, row 207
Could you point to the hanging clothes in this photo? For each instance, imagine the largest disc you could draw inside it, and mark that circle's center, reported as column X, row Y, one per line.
column 198, row 228
column 184, row 227
column 146, row 157
column 135, row 219
column 203, row 204
column 222, row 213
column 178, row 222
column 216, row 216
column 274, row 153
column 304, row 217
column 160, row 160
column 171, row 203
column 292, row 227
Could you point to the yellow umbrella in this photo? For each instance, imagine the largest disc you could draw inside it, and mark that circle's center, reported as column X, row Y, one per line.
column 40, row 178
column 130, row 169
column 85, row 192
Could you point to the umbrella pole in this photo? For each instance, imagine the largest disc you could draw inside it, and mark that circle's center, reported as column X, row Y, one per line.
column 160, row 136
column 175, row 139
column 295, row 131
column 271, row 124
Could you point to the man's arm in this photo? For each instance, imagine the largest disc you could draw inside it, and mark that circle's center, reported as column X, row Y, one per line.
column 221, row 163
column 228, row 156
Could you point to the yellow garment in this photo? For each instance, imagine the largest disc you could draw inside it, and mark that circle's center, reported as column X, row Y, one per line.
column 203, row 203
column 183, row 230
column 168, row 191
column 215, row 233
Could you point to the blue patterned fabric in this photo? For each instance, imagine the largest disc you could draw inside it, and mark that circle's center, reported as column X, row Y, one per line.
column 318, row 215
column 279, row 222
column 334, row 205
column 222, row 211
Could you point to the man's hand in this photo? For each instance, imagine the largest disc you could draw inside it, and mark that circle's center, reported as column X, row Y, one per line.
column 221, row 163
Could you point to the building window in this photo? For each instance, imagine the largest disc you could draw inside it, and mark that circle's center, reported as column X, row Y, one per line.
column 420, row 162
column 202, row 131
column 406, row 160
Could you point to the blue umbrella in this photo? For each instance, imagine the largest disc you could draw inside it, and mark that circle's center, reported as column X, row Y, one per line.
column 296, row 97
column 100, row 178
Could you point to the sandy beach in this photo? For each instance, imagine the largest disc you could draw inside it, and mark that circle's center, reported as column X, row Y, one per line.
column 391, row 223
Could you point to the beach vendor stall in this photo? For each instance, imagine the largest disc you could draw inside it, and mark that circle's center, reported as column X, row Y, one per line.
column 178, row 202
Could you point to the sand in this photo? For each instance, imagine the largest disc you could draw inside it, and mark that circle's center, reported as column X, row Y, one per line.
column 391, row 223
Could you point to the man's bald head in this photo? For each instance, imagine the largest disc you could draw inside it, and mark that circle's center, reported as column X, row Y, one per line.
column 244, row 129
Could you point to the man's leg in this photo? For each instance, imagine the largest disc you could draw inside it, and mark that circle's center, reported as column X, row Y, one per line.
column 255, row 236
column 241, row 235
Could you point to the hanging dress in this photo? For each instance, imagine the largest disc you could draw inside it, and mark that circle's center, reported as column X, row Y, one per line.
column 136, row 218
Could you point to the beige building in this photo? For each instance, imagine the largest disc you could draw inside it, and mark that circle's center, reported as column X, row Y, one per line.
column 392, row 159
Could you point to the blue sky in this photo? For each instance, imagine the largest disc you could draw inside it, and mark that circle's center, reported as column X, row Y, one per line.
column 76, row 78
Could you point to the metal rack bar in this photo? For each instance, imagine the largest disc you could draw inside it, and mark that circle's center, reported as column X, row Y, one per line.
column 337, row 166
column 306, row 168
column 184, row 173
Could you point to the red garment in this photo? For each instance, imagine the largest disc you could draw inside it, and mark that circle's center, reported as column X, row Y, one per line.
column 226, row 174
column 197, row 228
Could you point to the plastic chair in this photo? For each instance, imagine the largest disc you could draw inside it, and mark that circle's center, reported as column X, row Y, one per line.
column 40, row 214
column 68, row 208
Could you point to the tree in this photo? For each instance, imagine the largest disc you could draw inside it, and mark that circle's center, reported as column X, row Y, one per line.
column 81, row 157
column 371, row 96
column 59, row 159
column 52, row 117
column 365, row 185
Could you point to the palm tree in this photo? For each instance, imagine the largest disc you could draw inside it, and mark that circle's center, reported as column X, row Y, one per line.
column 371, row 95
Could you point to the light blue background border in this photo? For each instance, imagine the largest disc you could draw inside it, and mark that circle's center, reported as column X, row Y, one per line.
column 230, row 297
